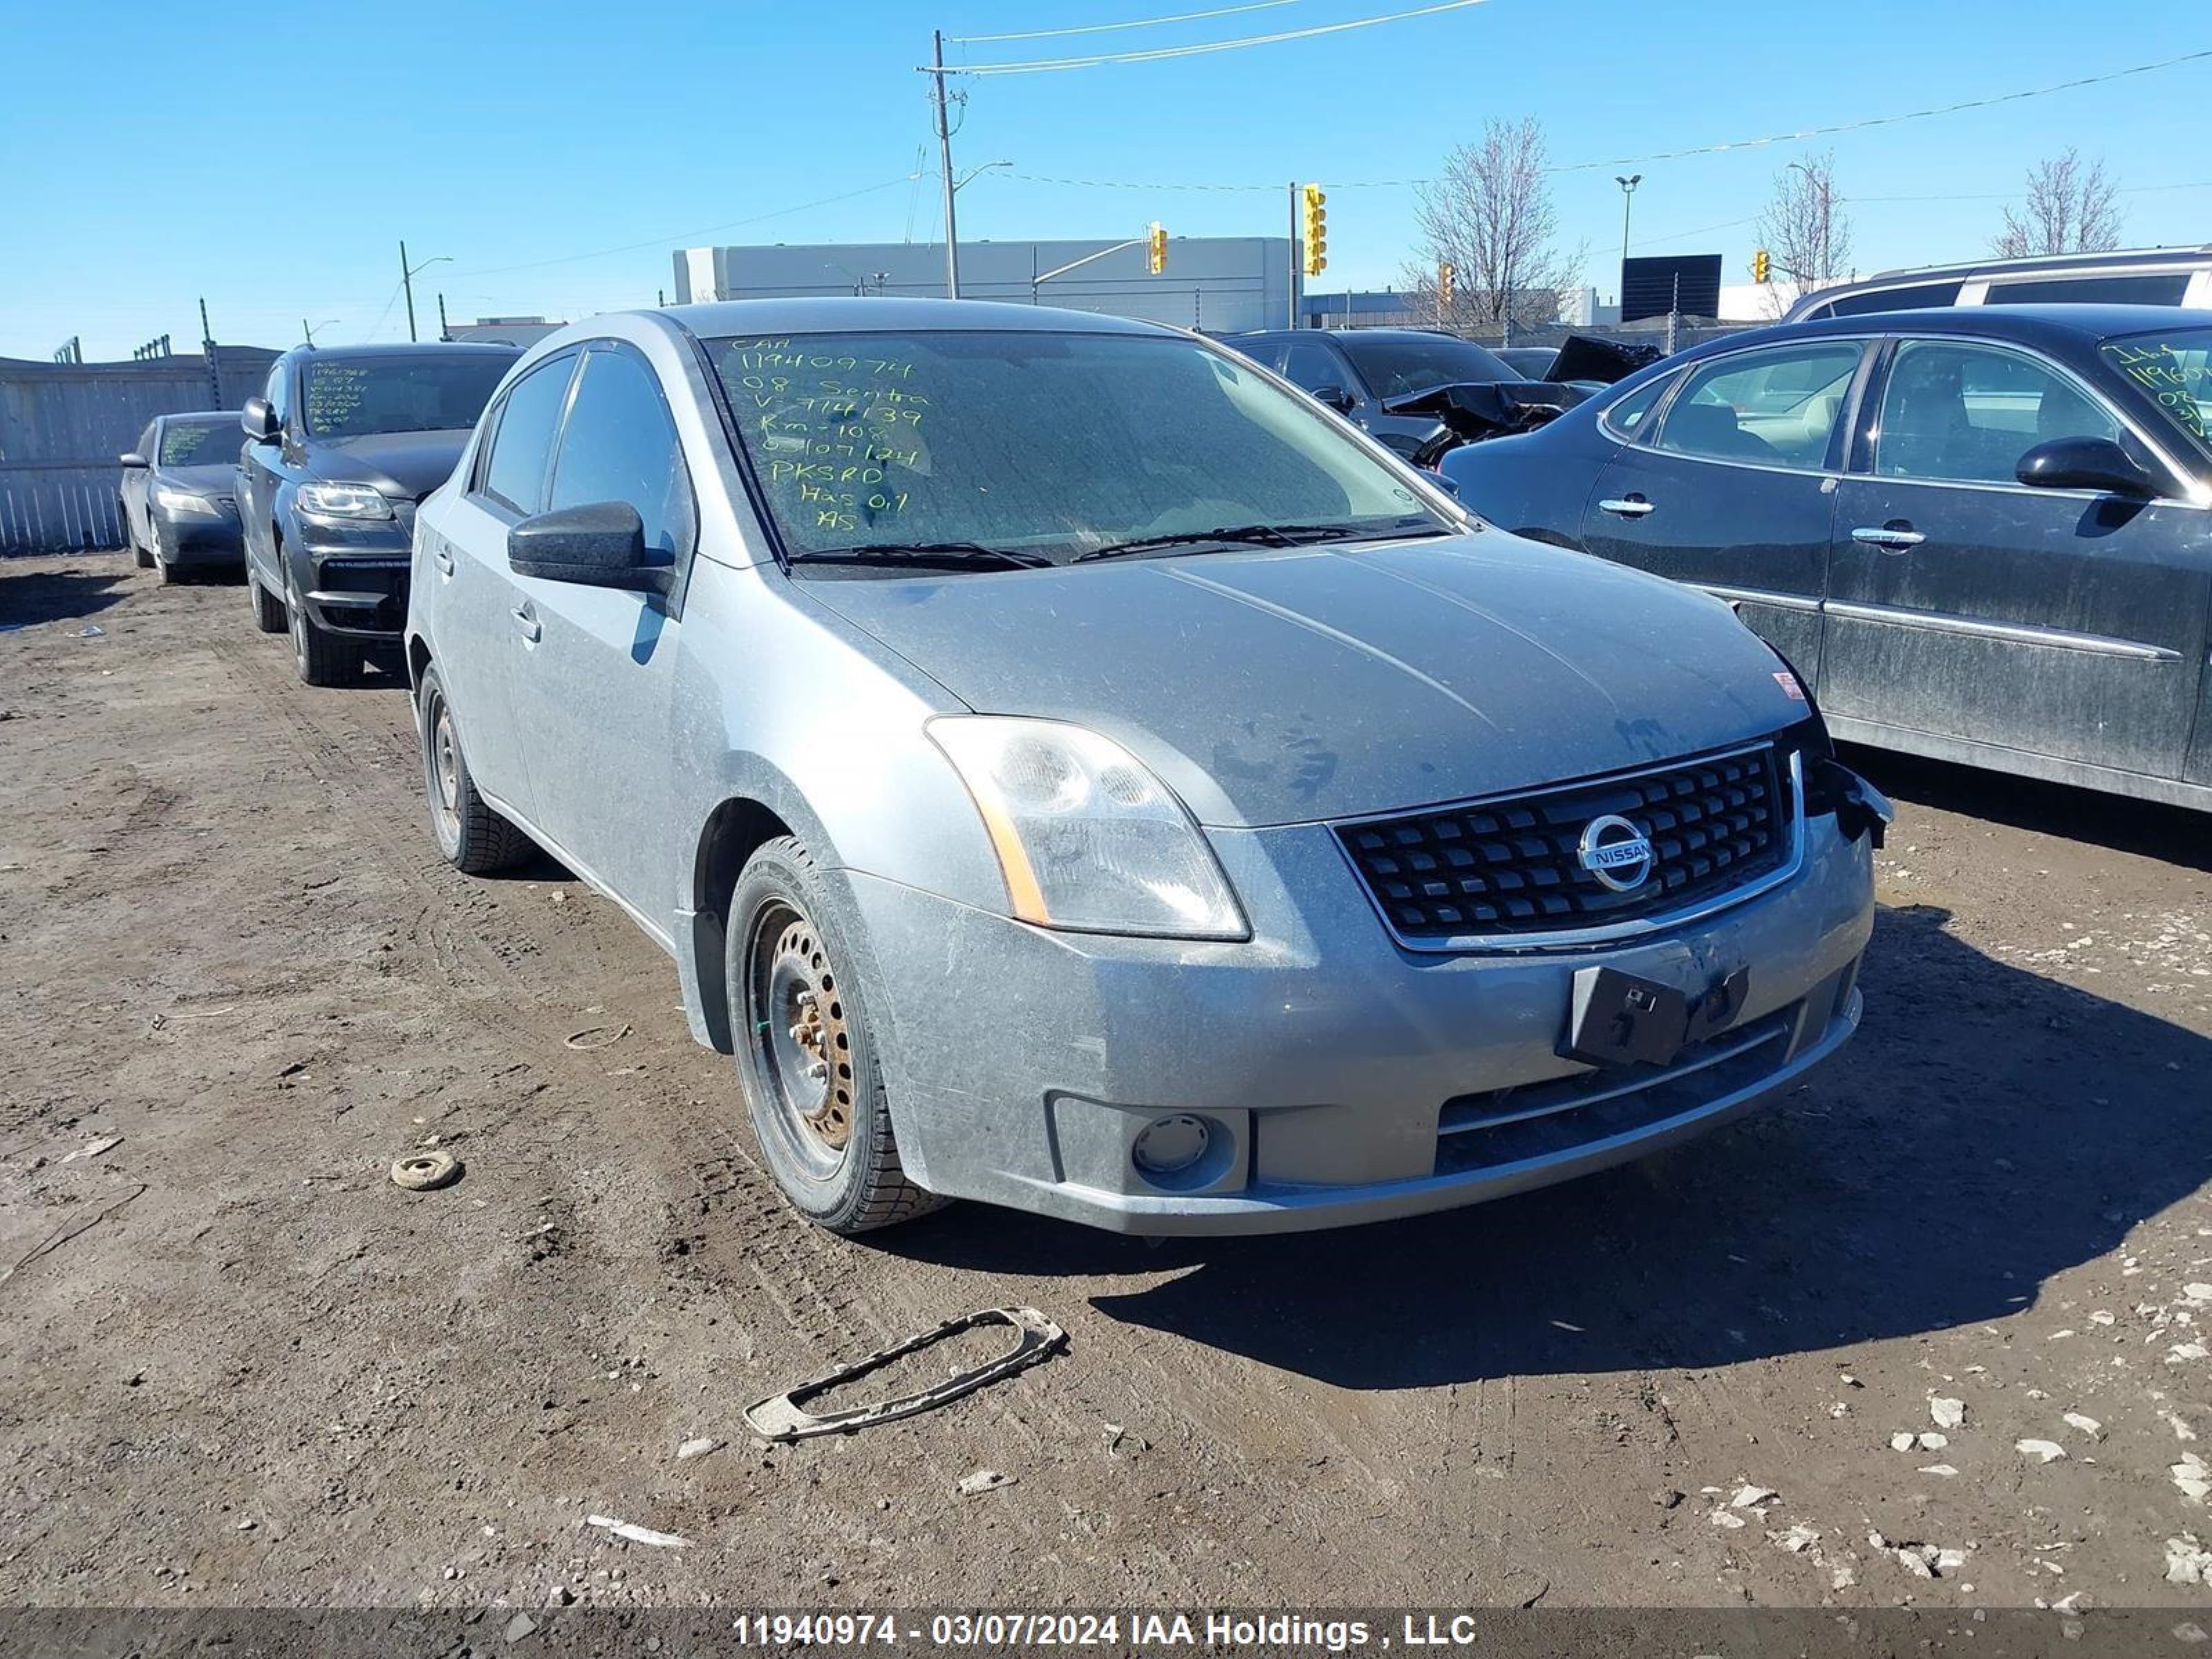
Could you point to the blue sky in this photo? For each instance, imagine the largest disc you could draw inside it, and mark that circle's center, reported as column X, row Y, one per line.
column 155, row 154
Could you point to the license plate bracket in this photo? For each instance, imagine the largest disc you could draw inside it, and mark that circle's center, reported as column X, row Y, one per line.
column 1617, row 1018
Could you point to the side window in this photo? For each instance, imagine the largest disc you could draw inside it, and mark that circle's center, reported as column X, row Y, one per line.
column 1778, row 408
column 2120, row 288
column 1919, row 296
column 522, row 442
column 620, row 445
column 279, row 397
column 1966, row 413
column 1628, row 416
column 1311, row 365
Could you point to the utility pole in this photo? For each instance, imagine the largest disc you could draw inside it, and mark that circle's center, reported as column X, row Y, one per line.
column 207, row 350
column 445, row 329
column 1294, row 253
column 945, row 162
column 407, row 282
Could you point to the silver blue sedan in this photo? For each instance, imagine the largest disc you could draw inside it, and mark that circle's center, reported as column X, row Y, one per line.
column 1073, row 771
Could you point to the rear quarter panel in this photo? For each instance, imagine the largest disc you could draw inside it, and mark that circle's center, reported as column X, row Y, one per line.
column 1537, row 485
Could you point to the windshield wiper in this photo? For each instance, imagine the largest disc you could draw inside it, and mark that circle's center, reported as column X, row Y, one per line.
column 1267, row 535
column 949, row 556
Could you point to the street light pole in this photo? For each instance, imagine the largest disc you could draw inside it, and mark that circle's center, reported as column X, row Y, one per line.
column 1628, row 184
column 407, row 275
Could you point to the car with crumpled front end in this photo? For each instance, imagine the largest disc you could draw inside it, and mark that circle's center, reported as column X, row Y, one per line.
column 341, row 445
column 1072, row 769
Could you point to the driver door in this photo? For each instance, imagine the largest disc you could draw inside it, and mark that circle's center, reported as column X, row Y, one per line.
column 1968, row 607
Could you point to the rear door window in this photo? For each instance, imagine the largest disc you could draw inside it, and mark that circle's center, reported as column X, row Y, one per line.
column 522, row 442
column 1918, row 296
column 1777, row 408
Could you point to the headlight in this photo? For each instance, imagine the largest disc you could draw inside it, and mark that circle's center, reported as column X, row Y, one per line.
column 185, row 504
column 1087, row 838
column 343, row 501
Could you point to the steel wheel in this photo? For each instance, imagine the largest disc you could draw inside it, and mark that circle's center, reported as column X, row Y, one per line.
column 441, row 760
column 800, row 1041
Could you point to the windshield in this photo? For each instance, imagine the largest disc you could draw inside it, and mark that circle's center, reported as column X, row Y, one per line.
column 1031, row 448
column 353, row 398
column 200, row 443
column 2173, row 370
column 1393, row 365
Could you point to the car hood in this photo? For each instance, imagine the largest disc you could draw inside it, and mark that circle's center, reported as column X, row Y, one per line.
column 407, row 464
column 1271, row 688
column 219, row 479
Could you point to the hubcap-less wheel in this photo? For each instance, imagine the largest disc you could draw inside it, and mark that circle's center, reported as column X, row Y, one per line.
column 445, row 757
column 799, row 1036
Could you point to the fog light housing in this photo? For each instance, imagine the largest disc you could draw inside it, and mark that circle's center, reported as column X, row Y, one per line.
column 1170, row 1145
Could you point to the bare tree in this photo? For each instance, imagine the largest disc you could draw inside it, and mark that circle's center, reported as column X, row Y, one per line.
column 2071, row 207
column 1489, row 216
column 1805, row 231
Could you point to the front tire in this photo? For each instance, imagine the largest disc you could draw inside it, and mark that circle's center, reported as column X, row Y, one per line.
column 323, row 659
column 145, row 558
column 268, row 615
column 475, row 839
column 805, row 1055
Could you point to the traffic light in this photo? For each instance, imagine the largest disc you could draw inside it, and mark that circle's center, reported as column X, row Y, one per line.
column 1761, row 266
column 1156, row 249
column 1445, row 271
column 1316, row 230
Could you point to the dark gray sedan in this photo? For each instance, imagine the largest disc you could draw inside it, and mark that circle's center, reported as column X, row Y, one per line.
column 180, row 508
column 1983, row 534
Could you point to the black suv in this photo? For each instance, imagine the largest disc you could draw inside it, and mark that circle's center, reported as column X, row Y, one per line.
column 341, row 447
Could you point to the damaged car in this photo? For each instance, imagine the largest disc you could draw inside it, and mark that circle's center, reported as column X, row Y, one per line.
column 1072, row 769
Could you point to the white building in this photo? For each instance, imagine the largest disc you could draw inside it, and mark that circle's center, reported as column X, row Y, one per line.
column 1223, row 284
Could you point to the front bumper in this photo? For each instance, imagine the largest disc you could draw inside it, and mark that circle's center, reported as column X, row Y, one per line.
column 354, row 581
column 1341, row 1078
column 189, row 542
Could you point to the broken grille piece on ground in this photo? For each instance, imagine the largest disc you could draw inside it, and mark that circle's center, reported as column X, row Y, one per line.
column 784, row 1416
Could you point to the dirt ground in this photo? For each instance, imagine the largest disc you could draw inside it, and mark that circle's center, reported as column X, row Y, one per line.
column 237, row 1366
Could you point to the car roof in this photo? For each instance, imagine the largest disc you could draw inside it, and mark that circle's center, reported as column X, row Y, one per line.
column 2116, row 257
column 870, row 314
column 198, row 414
column 2031, row 324
column 409, row 349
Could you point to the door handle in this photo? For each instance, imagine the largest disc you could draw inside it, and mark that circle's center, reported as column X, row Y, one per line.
column 442, row 556
column 1626, row 506
column 532, row 628
column 1890, row 537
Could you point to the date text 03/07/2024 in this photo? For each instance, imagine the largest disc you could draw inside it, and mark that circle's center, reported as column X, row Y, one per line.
column 1001, row 1630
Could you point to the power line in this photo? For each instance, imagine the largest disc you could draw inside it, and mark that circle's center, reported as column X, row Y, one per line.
column 1705, row 149
column 1107, row 28
column 1158, row 54
column 1890, row 120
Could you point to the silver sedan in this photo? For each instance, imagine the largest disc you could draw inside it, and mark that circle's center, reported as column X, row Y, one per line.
column 1071, row 770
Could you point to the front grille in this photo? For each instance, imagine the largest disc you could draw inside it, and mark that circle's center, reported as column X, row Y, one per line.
column 1513, row 865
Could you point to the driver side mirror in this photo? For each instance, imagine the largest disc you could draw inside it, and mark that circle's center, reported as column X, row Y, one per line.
column 600, row 545
column 2085, row 464
column 260, row 421
column 132, row 460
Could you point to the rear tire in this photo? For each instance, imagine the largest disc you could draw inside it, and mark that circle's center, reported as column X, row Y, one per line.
column 268, row 615
column 805, row 1057
column 322, row 659
column 475, row 839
